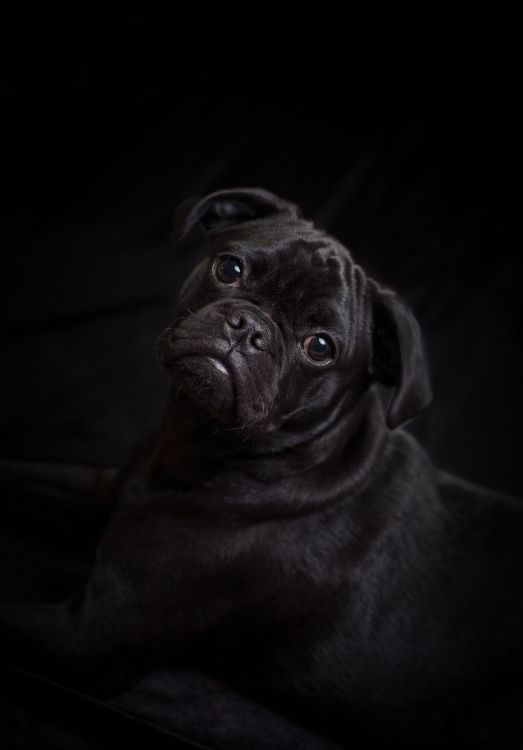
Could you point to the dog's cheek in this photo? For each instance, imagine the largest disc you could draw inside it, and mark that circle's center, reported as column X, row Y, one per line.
column 267, row 381
column 310, row 398
column 256, row 390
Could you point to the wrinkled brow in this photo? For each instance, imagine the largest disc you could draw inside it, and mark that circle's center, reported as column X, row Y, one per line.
column 323, row 315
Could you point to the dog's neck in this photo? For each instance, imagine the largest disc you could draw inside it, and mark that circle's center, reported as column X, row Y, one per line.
column 192, row 449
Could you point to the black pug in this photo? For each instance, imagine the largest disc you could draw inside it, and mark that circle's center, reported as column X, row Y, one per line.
column 280, row 529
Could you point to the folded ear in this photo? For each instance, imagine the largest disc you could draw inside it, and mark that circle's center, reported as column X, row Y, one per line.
column 225, row 208
column 398, row 358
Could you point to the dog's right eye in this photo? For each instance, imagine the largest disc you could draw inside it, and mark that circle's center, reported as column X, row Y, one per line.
column 319, row 348
column 229, row 271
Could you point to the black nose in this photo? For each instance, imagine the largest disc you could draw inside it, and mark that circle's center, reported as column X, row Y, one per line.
column 245, row 329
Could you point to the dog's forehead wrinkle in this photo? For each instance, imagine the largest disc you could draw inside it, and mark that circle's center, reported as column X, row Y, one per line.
column 266, row 231
column 307, row 279
column 272, row 234
column 322, row 311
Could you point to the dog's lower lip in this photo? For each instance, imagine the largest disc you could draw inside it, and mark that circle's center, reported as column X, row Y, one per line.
column 219, row 366
column 206, row 380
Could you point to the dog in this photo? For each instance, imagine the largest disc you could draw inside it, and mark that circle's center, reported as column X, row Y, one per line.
column 281, row 527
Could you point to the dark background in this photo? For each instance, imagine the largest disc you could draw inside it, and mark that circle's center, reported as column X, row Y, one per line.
column 398, row 133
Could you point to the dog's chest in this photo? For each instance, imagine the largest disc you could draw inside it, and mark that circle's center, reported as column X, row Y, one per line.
column 221, row 572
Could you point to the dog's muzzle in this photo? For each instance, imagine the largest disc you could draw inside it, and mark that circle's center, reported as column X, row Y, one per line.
column 226, row 356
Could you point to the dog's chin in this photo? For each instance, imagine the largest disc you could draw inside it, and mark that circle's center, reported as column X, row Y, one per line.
column 220, row 392
column 207, row 382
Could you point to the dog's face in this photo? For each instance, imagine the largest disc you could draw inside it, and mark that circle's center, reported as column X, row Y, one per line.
column 277, row 329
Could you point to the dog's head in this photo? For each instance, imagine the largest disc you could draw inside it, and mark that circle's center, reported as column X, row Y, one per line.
column 278, row 329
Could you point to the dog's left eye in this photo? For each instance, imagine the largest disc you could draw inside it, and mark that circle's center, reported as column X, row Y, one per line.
column 229, row 270
column 319, row 348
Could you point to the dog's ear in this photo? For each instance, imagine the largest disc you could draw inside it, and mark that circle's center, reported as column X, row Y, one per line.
column 398, row 359
column 225, row 208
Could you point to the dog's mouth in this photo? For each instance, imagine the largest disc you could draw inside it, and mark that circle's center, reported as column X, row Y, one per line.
column 208, row 381
column 225, row 389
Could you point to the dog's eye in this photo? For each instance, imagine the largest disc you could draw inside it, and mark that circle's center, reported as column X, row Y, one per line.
column 319, row 348
column 229, row 271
